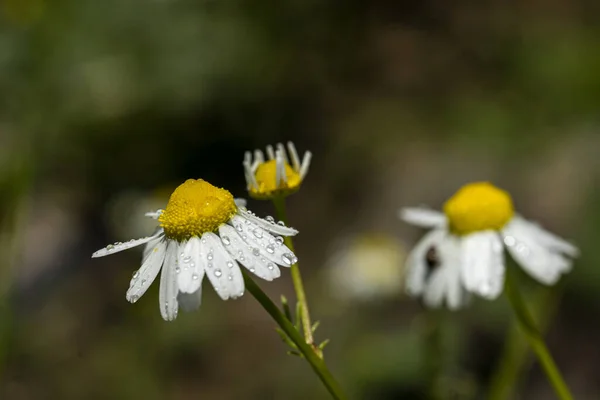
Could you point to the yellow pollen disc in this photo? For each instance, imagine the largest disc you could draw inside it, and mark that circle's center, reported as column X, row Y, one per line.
column 196, row 207
column 478, row 206
column 266, row 176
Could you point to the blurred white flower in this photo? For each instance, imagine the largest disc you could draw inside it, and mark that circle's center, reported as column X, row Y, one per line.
column 465, row 249
column 366, row 267
column 204, row 231
column 266, row 179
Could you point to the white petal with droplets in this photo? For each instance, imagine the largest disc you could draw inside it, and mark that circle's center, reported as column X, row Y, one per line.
column 144, row 277
column 483, row 264
column 167, row 297
column 416, row 265
column 117, row 247
column 271, row 227
column 238, row 249
column 225, row 275
column 191, row 263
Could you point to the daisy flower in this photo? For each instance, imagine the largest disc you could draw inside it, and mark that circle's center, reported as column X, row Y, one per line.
column 465, row 248
column 204, row 232
column 274, row 177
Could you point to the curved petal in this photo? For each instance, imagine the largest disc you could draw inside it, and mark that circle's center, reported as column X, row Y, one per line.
column 422, row 217
column 483, row 264
column 117, row 247
column 416, row 264
column 221, row 269
column 191, row 263
column 243, row 253
column 270, row 226
column 167, row 295
column 534, row 253
column 262, row 244
column 143, row 278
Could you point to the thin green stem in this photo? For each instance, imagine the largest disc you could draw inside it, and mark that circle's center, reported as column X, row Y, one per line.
column 317, row 363
column 535, row 339
column 432, row 336
column 515, row 357
column 280, row 210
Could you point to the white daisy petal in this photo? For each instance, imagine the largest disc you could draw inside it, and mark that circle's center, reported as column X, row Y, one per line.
column 191, row 263
column 449, row 253
column 243, row 253
column 305, row 164
column 533, row 253
column 483, row 264
column 143, row 278
column 262, row 243
column 270, row 152
column 167, row 297
column 152, row 244
column 240, row 202
column 190, row 301
column 435, row 289
column 423, row 217
column 117, row 247
column 545, row 237
column 222, row 270
column 281, row 150
column 416, row 264
column 154, row 214
column 294, row 156
column 270, row 226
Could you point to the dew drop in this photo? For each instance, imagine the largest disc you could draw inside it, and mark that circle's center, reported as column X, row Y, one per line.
column 136, row 274
column 230, row 264
column 239, row 228
column 110, row 247
column 255, row 251
column 270, row 249
column 192, row 265
column 209, row 265
column 252, row 269
column 218, row 273
column 195, row 277
column 134, row 298
column 230, row 277
column 209, row 256
column 226, row 240
column 270, row 219
column 177, row 270
column 258, row 233
column 279, row 240
column 289, row 258
column 187, row 259
column 271, row 266
column 280, row 223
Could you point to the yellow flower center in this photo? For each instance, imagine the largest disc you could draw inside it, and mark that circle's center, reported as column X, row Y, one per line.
column 196, row 207
column 478, row 206
column 266, row 176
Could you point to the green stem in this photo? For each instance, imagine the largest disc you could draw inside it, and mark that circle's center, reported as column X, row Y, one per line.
column 280, row 210
column 432, row 336
column 515, row 357
column 317, row 363
column 536, row 341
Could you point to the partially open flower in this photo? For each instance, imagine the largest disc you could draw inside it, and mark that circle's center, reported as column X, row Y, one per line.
column 469, row 238
column 204, row 231
column 275, row 176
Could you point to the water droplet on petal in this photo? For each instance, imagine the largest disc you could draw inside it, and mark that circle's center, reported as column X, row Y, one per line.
column 230, row 264
column 136, row 274
column 209, row 265
column 195, row 277
column 177, row 270
column 289, row 258
column 239, row 228
column 279, row 240
column 218, row 273
column 209, row 256
column 270, row 219
column 187, row 259
column 225, row 240
column 252, row 269
column 270, row 249
column 134, row 298
column 280, row 223
column 271, row 266
column 256, row 251
column 258, row 233
column 230, row 277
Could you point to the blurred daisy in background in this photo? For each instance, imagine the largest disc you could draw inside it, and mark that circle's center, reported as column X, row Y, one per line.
column 365, row 267
column 275, row 176
column 468, row 240
column 204, row 231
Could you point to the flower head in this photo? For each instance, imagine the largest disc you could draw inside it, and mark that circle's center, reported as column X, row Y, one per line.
column 205, row 232
column 469, row 239
column 266, row 179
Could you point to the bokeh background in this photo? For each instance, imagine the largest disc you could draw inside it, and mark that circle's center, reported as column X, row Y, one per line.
column 106, row 106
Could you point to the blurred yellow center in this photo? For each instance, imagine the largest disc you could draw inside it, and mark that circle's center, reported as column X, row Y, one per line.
column 478, row 206
column 266, row 176
column 196, row 207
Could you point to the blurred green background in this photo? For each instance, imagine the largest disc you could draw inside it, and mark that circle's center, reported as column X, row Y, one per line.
column 106, row 106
